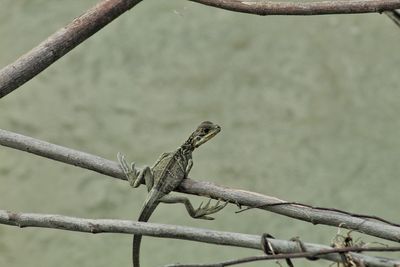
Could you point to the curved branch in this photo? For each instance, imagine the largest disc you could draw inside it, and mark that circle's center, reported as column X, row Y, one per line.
column 172, row 231
column 241, row 197
column 60, row 43
column 303, row 8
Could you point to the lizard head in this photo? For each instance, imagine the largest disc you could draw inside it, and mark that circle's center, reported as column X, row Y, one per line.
column 204, row 132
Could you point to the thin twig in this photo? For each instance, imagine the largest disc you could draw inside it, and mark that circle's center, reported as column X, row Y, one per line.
column 95, row 226
column 61, row 42
column 240, row 197
column 363, row 216
column 290, row 256
column 303, row 7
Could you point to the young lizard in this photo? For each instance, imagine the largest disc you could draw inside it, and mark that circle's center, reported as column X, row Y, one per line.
column 166, row 175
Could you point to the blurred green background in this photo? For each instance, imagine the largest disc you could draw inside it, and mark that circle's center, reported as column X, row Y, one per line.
column 308, row 107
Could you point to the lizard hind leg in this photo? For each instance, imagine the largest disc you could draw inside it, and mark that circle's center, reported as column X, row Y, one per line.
column 200, row 212
column 136, row 177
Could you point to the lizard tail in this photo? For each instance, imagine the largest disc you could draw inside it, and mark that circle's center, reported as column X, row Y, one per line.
column 136, row 250
column 149, row 206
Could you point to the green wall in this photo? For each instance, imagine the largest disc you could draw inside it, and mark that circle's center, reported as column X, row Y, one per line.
column 308, row 107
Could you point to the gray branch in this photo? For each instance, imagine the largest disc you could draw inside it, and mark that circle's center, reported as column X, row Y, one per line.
column 60, row 43
column 303, row 7
column 173, row 231
column 189, row 186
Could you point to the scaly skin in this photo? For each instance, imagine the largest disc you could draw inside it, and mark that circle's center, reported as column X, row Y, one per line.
column 165, row 176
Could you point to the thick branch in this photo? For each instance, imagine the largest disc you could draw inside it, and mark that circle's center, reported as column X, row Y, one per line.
column 303, row 8
column 189, row 186
column 171, row 231
column 60, row 153
column 61, row 42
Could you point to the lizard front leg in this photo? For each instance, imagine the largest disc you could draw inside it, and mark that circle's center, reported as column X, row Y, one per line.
column 200, row 212
column 188, row 167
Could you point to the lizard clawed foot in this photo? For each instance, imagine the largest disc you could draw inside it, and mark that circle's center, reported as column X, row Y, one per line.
column 202, row 212
column 130, row 171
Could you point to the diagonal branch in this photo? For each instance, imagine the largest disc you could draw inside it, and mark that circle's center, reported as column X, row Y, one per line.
column 379, row 228
column 60, row 153
column 394, row 15
column 178, row 232
column 303, row 8
column 60, row 43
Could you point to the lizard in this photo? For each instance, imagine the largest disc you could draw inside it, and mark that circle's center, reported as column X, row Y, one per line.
column 165, row 175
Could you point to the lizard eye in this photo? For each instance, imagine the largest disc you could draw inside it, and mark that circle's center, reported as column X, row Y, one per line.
column 206, row 130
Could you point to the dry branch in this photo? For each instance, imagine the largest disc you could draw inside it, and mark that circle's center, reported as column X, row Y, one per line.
column 241, row 197
column 61, row 42
column 173, row 231
column 303, row 7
